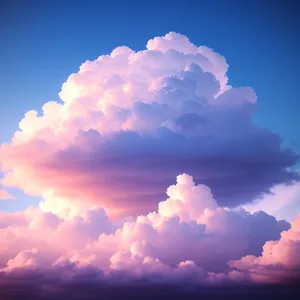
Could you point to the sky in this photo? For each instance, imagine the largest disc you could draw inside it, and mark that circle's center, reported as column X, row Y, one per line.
column 158, row 139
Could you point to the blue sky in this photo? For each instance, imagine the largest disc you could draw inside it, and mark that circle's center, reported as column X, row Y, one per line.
column 43, row 42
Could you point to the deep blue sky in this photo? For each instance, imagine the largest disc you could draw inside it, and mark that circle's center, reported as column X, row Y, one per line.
column 42, row 42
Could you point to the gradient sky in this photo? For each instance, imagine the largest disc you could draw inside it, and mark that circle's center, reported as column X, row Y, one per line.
column 153, row 162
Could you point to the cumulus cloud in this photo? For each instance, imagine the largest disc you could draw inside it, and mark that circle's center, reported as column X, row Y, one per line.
column 189, row 238
column 47, row 233
column 279, row 260
column 129, row 122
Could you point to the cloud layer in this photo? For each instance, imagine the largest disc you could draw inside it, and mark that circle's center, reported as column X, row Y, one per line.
column 188, row 239
column 129, row 122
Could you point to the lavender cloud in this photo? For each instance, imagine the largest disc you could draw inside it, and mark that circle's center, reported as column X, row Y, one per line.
column 188, row 236
column 129, row 122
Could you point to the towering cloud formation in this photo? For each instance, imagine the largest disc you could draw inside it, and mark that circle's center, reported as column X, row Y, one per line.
column 129, row 122
column 283, row 202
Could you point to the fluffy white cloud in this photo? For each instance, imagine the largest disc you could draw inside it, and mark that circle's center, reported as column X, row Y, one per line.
column 131, row 121
column 279, row 261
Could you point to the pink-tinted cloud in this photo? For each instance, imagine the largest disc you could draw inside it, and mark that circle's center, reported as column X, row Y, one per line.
column 47, row 233
column 189, row 237
column 279, row 261
column 129, row 122
column 5, row 195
